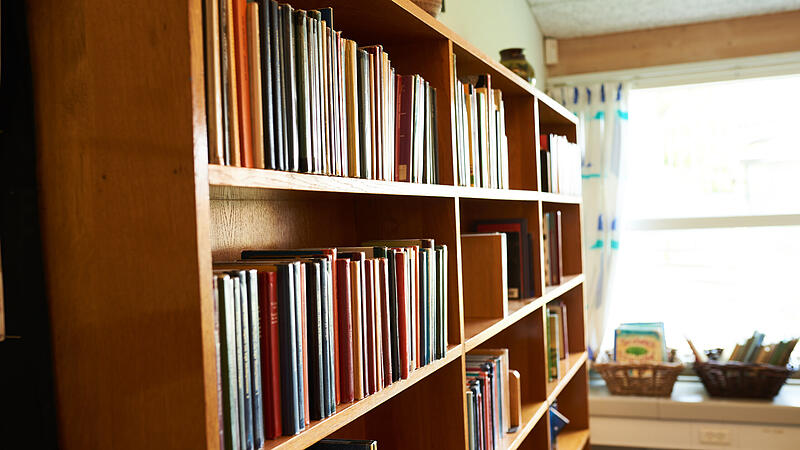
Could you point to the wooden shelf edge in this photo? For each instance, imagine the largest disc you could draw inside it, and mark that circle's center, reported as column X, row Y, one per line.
column 573, row 439
column 259, row 179
column 347, row 413
column 512, row 441
column 560, row 198
column 552, row 293
column 243, row 177
column 570, row 281
column 554, row 388
column 555, row 106
column 501, row 324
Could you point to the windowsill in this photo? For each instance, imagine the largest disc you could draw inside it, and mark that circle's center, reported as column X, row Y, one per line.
column 690, row 402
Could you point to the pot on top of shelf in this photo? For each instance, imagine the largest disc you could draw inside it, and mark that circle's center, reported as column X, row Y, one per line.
column 432, row 7
column 514, row 59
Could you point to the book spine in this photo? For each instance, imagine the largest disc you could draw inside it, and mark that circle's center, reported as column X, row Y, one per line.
column 217, row 294
column 243, row 81
column 345, row 330
column 326, row 367
column 355, row 313
column 230, row 397
column 287, row 323
column 385, row 319
column 290, row 88
column 304, row 150
column 370, row 327
column 401, row 263
column 265, row 51
column 279, row 112
column 314, row 313
column 302, row 347
column 270, row 357
column 255, row 357
column 254, row 68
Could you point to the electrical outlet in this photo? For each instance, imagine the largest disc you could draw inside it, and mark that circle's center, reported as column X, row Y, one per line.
column 716, row 436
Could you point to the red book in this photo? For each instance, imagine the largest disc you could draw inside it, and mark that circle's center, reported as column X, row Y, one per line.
column 386, row 339
column 345, row 330
column 402, row 310
column 304, row 325
column 242, row 81
column 372, row 377
column 403, row 126
column 270, row 353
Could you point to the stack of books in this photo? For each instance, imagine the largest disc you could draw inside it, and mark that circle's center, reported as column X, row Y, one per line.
column 557, row 339
column 288, row 92
column 301, row 331
column 551, row 240
column 481, row 146
column 754, row 350
column 489, row 398
column 560, row 165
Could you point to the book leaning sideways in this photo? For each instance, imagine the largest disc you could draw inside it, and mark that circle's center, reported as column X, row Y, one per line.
column 640, row 343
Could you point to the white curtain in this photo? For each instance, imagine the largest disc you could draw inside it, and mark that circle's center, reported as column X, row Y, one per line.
column 602, row 110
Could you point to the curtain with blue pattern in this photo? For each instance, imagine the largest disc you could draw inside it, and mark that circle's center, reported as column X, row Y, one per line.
column 602, row 110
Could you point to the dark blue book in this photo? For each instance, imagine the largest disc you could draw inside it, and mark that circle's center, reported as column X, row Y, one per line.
column 327, row 16
column 557, row 422
column 255, row 359
column 316, row 395
column 287, row 330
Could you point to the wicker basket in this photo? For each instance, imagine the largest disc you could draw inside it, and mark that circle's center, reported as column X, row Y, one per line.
column 742, row 380
column 651, row 380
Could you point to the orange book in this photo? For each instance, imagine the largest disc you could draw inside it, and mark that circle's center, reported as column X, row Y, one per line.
column 242, row 81
column 254, row 66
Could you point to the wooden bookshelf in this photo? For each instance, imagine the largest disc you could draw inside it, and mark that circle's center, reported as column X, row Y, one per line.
column 133, row 217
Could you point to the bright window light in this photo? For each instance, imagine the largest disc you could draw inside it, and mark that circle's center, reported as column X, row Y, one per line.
column 703, row 164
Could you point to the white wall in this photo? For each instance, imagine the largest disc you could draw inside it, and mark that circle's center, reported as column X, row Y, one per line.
column 492, row 25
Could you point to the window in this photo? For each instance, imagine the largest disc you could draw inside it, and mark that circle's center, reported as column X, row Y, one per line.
column 710, row 213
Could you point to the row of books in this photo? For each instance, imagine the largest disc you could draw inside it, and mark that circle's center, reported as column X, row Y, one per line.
column 301, row 331
column 288, row 92
column 560, row 165
column 551, row 241
column 493, row 398
column 557, row 338
column 754, row 350
column 481, row 145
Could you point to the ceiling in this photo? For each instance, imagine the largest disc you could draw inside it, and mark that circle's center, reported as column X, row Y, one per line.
column 573, row 18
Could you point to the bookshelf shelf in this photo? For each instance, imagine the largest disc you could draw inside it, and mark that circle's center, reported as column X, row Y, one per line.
column 116, row 156
column 346, row 413
column 245, row 183
column 572, row 439
column 531, row 414
column 569, row 367
column 478, row 331
column 260, row 179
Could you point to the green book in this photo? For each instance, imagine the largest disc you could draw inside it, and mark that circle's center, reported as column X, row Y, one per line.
column 552, row 346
